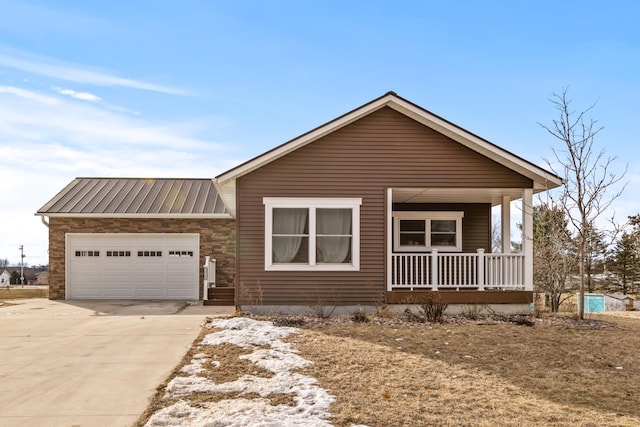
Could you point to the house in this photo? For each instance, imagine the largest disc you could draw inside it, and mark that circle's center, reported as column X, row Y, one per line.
column 620, row 302
column 5, row 279
column 385, row 204
column 42, row 278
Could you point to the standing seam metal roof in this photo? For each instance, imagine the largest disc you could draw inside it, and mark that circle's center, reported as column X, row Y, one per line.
column 136, row 196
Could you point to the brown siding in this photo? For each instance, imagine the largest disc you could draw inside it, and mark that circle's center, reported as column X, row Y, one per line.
column 217, row 239
column 384, row 149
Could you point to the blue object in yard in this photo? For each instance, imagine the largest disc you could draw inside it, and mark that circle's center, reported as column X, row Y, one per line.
column 593, row 303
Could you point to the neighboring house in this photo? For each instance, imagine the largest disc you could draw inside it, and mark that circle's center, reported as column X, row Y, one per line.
column 5, row 279
column 619, row 302
column 42, row 278
column 384, row 204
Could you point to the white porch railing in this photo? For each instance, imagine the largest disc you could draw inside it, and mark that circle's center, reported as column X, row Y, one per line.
column 209, row 276
column 478, row 271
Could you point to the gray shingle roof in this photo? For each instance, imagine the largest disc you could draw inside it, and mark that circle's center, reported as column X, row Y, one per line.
column 136, row 196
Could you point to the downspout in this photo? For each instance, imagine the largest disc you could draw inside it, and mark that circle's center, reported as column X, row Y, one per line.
column 44, row 221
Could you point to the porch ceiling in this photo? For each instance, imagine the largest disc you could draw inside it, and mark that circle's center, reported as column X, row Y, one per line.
column 455, row 195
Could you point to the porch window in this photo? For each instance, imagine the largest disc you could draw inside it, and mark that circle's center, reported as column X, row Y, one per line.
column 424, row 231
column 312, row 234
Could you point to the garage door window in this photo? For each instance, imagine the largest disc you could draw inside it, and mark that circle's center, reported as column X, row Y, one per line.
column 181, row 254
column 149, row 253
column 87, row 253
column 118, row 253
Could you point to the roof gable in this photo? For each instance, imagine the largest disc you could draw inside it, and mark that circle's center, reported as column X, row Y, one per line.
column 542, row 179
column 158, row 197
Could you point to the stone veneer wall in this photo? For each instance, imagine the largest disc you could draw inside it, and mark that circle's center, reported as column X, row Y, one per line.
column 217, row 239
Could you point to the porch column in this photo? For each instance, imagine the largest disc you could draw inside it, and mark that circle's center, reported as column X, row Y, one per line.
column 389, row 235
column 506, row 224
column 527, row 237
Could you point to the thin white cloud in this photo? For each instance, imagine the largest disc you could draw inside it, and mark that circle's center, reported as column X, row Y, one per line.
column 90, row 97
column 122, row 109
column 66, row 71
column 83, row 96
column 26, row 94
column 84, row 123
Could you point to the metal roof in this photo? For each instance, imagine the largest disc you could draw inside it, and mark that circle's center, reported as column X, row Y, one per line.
column 136, row 197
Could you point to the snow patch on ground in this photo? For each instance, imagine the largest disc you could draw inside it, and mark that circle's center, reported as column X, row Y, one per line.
column 245, row 332
column 197, row 364
column 236, row 413
column 311, row 402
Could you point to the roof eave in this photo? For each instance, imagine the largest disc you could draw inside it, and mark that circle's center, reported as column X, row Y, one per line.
column 137, row 216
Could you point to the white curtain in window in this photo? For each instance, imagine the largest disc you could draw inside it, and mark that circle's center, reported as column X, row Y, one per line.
column 288, row 222
column 333, row 237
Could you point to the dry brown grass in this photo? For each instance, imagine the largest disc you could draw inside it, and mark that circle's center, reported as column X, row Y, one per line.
column 384, row 373
column 477, row 375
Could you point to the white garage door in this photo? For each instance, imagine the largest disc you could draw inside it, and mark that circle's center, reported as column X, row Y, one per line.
column 132, row 266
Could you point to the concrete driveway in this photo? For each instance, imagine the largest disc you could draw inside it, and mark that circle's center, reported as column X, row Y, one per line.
column 72, row 363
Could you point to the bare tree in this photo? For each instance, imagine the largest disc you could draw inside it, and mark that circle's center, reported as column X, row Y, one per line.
column 496, row 235
column 588, row 174
column 4, row 262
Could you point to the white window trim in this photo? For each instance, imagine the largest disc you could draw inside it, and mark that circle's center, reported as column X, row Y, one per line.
column 312, row 203
column 427, row 216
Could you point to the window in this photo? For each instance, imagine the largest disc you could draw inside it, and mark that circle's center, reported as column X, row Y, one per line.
column 184, row 254
column 424, row 231
column 312, row 234
column 149, row 253
column 87, row 253
column 118, row 253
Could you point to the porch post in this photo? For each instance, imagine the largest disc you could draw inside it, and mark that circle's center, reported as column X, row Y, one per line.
column 527, row 237
column 480, row 270
column 434, row 270
column 389, row 234
column 506, row 224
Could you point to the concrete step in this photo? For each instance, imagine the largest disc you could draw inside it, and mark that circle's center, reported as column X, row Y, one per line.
column 220, row 296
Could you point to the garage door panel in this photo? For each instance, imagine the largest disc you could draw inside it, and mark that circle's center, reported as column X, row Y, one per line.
column 177, row 293
column 132, row 266
column 88, row 292
column 151, row 293
column 118, row 293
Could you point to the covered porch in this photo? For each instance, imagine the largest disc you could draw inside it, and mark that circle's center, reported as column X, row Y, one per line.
column 430, row 249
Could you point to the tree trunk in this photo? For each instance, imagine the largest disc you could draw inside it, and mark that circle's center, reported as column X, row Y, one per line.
column 581, row 298
column 555, row 302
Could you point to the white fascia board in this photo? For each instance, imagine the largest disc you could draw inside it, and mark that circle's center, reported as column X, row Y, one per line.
column 138, row 216
column 227, row 193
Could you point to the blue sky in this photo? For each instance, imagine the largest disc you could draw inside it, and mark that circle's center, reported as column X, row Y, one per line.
column 158, row 88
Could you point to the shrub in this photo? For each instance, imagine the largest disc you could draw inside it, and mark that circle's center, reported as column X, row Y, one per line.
column 360, row 316
column 286, row 320
column 433, row 308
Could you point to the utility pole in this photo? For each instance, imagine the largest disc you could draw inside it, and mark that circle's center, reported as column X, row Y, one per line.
column 22, row 255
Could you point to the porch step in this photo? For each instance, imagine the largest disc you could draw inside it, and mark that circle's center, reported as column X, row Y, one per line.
column 220, row 296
